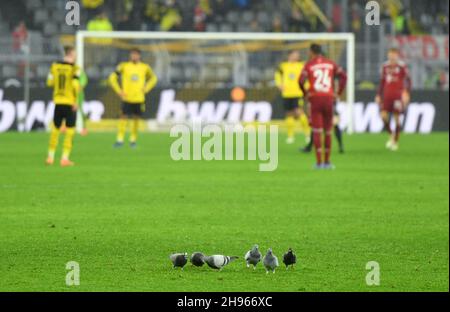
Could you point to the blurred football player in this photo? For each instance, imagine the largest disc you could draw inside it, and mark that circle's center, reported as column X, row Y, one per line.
column 321, row 74
column 63, row 78
column 286, row 79
column 132, row 80
column 393, row 95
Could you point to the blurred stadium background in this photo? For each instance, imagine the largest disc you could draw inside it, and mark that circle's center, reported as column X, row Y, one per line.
column 121, row 212
column 33, row 32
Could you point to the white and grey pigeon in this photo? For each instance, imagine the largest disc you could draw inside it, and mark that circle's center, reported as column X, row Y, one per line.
column 270, row 261
column 198, row 259
column 179, row 260
column 253, row 256
column 218, row 261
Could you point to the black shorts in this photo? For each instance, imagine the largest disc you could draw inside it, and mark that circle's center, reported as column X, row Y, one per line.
column 133, row 109
column 64, row 113
column 292, row 103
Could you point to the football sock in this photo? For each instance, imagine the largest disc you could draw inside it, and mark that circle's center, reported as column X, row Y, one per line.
column 398, row 129
column 387, row 126
column 122, row 128
column 68, row 142
column 305, row 125
column 317, row 138
column 327, row 146
column 290, row 125
column 338, row 134
column 311, row 142
column 134, row 130
column 54, row 137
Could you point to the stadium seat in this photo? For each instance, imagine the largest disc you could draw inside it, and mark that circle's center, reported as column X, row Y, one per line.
column 33, row 4
column 41, row 16
column 42, row 71
column 93, row 72
column 263, row 18
column 212, row 28
column 9, row 71
column 247, row 17
column 232, row 17
column 226, row 28
column 50, row 29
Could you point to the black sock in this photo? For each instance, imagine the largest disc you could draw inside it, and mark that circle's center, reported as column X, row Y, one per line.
column 310, row 145
column 338, row 134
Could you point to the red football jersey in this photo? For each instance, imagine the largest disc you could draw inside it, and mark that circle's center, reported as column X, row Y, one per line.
column 321, row 73
column 394, row 80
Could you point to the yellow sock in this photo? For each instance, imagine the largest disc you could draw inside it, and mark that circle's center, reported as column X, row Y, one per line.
column 68, row 142
column 122, row 128
column 134, row 130
column 290, row 125
column 54, row 138
column 305, row 125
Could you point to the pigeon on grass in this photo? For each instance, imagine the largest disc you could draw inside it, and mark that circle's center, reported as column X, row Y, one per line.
column 270, row 261
column 179, row 260
column 289, row 258
column 253, row 257
column 198, row 259
column 218, row 262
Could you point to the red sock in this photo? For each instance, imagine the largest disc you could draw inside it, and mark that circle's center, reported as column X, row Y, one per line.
column 387, row 127
column 317, row 137
column 327, row 146
column 398, row 129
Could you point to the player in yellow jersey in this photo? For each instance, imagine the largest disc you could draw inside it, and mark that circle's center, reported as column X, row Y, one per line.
column 132, row 81
column 63, row 78
column 286, row 79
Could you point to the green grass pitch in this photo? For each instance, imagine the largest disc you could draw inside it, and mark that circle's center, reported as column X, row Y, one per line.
column 120, row 213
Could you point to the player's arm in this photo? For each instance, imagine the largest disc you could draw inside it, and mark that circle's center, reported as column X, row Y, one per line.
column 279, row 78
column 408, row 84
column 380, row 87
column 51, row 78
column 341, row 75
column 114, row 80
column 303, row 79
column 76, row 86
column 151, row 80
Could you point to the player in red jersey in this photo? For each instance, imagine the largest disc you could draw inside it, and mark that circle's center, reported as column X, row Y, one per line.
column 393, row 95
column 321, row 74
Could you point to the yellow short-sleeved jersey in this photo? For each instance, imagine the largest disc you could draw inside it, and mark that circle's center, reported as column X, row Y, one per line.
column 134, row 80
column 287, row 76
column 63, row 78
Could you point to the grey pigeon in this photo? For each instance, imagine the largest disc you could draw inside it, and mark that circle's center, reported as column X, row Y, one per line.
column 270, row 261
column 289, row 258
column 198, row 259
column 179, row 259
column 253, row 256
column 218, row 261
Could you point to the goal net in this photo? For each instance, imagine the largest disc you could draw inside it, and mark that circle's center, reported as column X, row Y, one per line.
column 208, row 77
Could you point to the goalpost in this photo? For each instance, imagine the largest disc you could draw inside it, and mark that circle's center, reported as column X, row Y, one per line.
column 190, row 60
